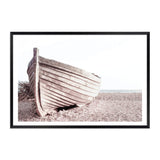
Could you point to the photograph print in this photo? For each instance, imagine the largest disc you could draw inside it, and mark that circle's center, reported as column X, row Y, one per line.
column 79, row 79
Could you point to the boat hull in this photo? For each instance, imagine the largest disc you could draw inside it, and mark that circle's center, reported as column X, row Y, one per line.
column 57, row 85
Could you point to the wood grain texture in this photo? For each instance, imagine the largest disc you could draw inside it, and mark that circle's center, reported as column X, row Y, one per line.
column 65, row 91
column 71, row 76
column 77, row 82
column 66, row 85
column 68, row 68
column 62, row 95
column 56, row 85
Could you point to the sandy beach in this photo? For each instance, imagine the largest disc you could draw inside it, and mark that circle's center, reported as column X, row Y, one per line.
column 108, row 107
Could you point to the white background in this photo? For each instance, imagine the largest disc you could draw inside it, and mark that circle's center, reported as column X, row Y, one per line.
column 120, row 60
column 85, row 15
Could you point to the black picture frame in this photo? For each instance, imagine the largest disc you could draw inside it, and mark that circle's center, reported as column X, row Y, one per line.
column 12, row 34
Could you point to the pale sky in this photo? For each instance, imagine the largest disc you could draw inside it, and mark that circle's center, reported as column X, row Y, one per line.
column 120, row 60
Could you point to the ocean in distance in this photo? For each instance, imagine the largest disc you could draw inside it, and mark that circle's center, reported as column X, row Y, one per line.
column 120, row 91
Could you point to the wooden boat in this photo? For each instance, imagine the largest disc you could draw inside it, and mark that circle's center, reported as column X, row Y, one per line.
column 57, row 85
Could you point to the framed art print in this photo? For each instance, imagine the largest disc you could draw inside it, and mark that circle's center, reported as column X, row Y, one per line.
column 80, row 79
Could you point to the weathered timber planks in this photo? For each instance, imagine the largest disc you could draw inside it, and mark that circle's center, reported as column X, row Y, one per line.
column 69, row 81
column 31, row 68
column 55, row 98
column 68, row 68
column 65, row 90
column 31, row 74
column 46, row 99
column 57, row 85
column 66, row 85
column 66, row 94
column 52, row 99
column 61, row 95
column 73, row 77
column 40, row 111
